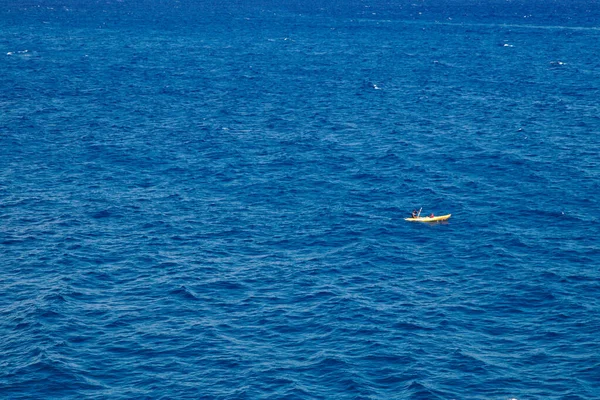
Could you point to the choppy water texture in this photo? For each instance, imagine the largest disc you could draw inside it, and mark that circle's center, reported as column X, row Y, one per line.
column 208, row 203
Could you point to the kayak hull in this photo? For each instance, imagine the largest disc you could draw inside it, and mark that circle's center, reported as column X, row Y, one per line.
column 428, row 219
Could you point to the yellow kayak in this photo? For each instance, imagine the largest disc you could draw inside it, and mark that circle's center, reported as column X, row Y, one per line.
column 428, row 219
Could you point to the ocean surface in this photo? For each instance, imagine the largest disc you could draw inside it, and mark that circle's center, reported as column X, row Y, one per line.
column 207, row 201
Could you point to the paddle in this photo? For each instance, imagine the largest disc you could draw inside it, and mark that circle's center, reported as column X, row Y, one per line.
column 419, row 214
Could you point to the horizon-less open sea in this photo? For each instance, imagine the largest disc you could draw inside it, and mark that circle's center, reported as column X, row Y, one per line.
column 206, row 202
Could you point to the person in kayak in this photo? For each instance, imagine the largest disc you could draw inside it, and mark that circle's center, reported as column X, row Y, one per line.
column 414, row 214
column 431, row 215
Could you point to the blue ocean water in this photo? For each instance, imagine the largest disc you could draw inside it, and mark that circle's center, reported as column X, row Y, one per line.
column 207, row 201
